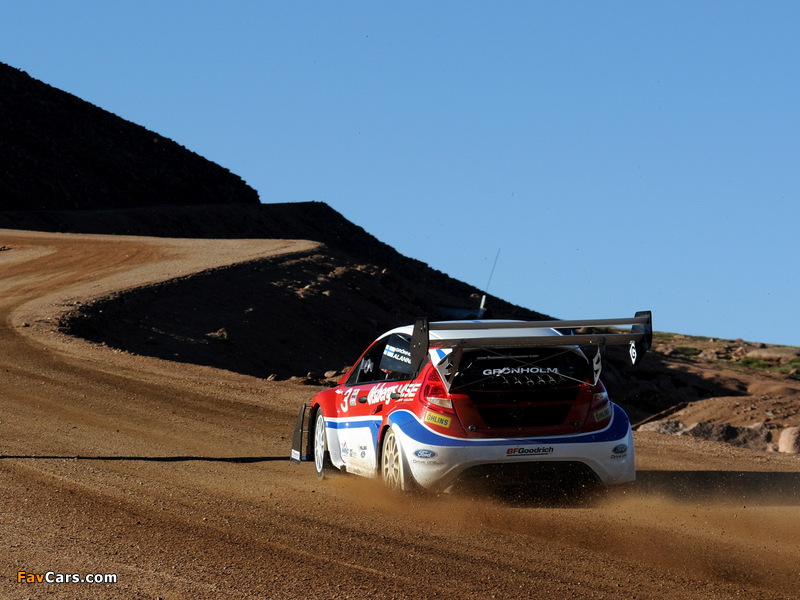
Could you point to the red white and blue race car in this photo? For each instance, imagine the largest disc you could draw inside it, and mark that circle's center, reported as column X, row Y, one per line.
column 438, row 404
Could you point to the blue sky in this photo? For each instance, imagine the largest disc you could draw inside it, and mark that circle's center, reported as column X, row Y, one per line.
column 620, row 156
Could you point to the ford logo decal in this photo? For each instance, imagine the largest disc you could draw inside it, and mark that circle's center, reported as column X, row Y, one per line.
column 424, row 453
column 621, row 449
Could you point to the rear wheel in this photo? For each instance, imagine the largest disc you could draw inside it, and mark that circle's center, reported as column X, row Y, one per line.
column 392, row 462
column 322, row 458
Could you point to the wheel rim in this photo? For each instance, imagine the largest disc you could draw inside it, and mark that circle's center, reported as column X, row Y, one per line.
column 319, row 443
column 390, row 462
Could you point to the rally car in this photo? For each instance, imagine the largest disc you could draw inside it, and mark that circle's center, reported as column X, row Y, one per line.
column 438, row 404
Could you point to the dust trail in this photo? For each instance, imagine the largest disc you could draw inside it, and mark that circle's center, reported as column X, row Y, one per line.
column 707, row 536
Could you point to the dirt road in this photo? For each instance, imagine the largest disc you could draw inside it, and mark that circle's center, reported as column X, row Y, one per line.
column 174, row 478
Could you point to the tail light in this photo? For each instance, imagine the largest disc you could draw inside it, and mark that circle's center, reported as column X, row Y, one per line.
column 599, row 410
column 599, row 399
column 434, row 393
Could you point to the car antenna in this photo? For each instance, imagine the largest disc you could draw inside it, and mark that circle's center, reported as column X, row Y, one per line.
column 486, row 289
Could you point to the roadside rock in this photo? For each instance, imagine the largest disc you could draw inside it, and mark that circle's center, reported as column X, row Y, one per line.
column 665, row 427
column 789, row 440
column 778, row 355
column 754, row 437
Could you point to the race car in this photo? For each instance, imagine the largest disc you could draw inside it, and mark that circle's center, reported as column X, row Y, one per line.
column 439, row 404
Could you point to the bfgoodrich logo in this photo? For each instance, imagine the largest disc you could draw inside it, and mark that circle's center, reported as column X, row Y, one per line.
column 535, row 451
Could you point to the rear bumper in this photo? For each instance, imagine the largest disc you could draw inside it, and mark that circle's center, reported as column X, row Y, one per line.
column 437, row 461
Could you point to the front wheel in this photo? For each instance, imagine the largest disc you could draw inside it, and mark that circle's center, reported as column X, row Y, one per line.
column 322, row 458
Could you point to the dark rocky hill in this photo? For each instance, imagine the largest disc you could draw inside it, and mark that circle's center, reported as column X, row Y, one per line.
column 58, row 152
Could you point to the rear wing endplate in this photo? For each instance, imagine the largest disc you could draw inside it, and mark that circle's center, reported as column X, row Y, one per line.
column 458, row 335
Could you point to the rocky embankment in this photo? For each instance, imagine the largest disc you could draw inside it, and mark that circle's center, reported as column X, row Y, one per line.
column 757, row 403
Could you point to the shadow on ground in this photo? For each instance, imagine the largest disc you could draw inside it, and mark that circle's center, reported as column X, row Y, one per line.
column 746, row 487
column 231, row 459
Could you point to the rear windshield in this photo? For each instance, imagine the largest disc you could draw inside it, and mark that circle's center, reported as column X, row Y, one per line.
column 521, row 368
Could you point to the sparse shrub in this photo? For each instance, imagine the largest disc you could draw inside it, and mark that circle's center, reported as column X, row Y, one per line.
column 791, row 368
column 755, row 363
column 686, row 351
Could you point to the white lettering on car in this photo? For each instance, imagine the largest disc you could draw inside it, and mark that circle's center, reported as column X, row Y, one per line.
column 522, row 451
column 383, row 392
column 351, row 393
column 400, row 354
column 520, row 371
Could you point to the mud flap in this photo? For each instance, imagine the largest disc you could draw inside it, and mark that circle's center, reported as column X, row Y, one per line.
column 301, row 450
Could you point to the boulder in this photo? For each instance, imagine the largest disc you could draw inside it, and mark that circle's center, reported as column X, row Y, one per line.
column 776, row 355
column 789, row 440
column 666, row 427
column 756, row 437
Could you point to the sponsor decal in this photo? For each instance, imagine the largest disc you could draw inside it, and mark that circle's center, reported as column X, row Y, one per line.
column 439, row 354
column 619, row 451
column 531, row 451
column 349, row 399
column 601, row 414
column 295, row 454
column 597, row 366
column 399, row 354
column 437, row 419
column 383, row 392
column 425, row 454
column 520, row 371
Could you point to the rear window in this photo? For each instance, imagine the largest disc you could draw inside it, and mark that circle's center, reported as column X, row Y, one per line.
column 521, row 369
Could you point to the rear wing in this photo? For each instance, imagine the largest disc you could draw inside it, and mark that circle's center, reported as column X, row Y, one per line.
column 451, row 337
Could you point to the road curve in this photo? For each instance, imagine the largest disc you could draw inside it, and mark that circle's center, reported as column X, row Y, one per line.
column 174, row 478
